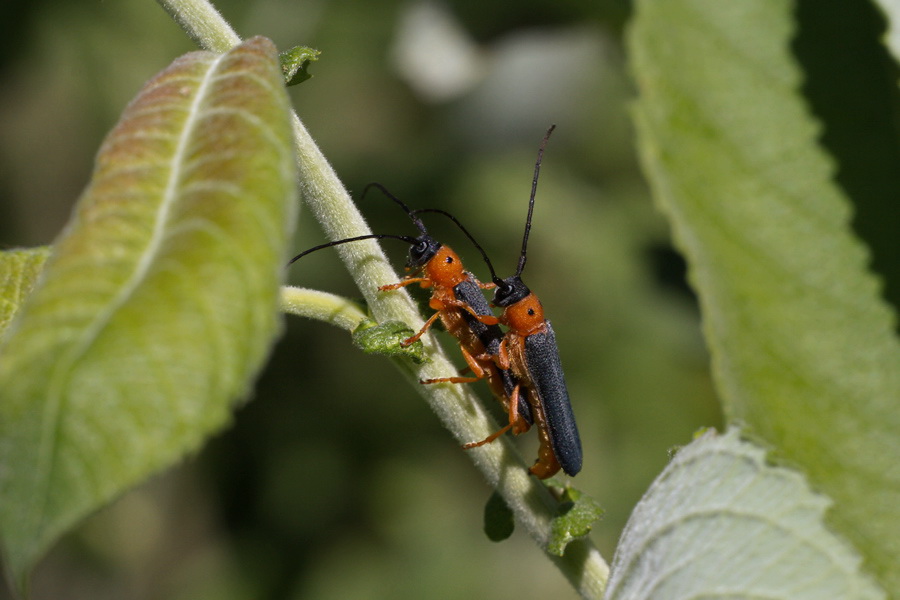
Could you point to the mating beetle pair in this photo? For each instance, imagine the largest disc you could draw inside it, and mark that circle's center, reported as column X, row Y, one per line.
column 522, row 366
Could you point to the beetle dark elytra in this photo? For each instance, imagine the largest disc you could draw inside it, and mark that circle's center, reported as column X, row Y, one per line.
column 458, row 301
column 529, row 350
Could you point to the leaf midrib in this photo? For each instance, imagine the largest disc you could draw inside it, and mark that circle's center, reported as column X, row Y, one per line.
column 54, row 404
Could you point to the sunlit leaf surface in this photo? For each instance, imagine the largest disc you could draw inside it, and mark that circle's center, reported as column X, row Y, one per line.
column 160, row 300
column 721, row 523
column 803, row 346
column 19, row 270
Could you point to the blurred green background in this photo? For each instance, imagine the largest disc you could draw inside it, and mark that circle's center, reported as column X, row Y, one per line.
column 335, row 481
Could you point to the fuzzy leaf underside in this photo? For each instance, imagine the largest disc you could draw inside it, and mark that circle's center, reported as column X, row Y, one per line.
column 803, row 347
column 160, row 300
column 721, row 523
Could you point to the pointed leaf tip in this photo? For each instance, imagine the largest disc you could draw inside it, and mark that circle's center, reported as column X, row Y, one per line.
column 295, row 64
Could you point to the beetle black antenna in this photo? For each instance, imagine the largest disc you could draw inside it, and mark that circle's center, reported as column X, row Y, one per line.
column 372, row 236
column 534, row 182
column 412, row 214
column 465, row 231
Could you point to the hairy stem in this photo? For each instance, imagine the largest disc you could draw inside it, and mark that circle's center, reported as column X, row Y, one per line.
column 203, row 24
column 322, row 306
column 456, row 406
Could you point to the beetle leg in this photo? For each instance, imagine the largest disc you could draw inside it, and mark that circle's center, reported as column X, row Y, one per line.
column 426, row 282
column 428, row 323
column 515, row 423
column 478, row 371
column 518, row 424
column 486, row 319
column 503, row 355
column 488, row 439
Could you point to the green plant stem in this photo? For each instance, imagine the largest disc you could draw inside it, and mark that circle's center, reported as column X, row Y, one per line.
column 457, row 407
column 322, row 306
column 459, row 410
column 203, row 24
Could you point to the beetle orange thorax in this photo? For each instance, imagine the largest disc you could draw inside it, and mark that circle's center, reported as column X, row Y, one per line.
column 522, row 311
column 445, row 267
column 525, row 316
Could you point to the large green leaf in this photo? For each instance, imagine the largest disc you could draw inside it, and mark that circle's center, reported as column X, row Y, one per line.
column 19, row 270
column 721, row 523
column 160, row 301
column 803, row 346
column 891, row 10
